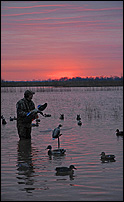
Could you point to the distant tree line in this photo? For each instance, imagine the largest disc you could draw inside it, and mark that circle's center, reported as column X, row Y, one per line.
column 68, row 82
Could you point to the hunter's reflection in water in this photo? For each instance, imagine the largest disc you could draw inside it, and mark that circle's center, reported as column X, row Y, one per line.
column 25, row 166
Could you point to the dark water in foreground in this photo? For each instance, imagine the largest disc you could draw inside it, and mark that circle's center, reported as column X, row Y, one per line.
column 28, row 174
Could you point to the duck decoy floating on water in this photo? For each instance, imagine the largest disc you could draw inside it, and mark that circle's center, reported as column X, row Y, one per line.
column 79, row 123
column 58, row 151
column 78, row 117
column 3, row 120
column 65, row 170
column 119, row 132
column 47, row 115
column 62, row 116
column 11, row 119
column 107, row 157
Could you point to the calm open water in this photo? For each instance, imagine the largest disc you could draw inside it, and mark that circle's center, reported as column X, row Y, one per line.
column 27, row 172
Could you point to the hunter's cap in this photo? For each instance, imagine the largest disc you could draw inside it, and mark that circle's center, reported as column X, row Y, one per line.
column 28, row 92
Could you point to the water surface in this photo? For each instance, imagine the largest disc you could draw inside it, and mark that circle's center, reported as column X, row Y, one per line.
column 28, row 173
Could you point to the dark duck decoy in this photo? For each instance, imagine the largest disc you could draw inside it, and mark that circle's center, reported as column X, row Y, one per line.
column 15, row 118
column 65, row 170
column 4, row 121
column 47, row 115
column 78, row 117
column 55, row 152
column 107, row 157
column 11, row 119
column 62, row 116
column 119, row 132
column 79, row 123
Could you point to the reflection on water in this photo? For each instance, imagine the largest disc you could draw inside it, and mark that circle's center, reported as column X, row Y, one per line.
column 107, row 161
column 71, row 176
column 24, row 164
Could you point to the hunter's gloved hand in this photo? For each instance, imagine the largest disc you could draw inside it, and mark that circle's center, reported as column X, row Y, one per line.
column 34, row 111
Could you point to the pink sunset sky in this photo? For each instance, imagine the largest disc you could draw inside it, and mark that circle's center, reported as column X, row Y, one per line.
column 43, row 40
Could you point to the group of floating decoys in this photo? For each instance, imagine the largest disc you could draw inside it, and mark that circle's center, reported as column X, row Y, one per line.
column 12, row 119
column 5, row 122
column 60, row 151
column 78, row 118
column 110, row 157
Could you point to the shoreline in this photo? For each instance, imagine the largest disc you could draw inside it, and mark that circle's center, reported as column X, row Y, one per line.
column 88, row 83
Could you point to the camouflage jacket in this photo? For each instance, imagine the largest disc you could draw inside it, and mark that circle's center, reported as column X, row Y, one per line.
column 24, row 106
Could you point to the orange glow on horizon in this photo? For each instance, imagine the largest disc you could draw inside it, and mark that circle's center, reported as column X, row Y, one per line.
column 54, row 68
column 61, row 74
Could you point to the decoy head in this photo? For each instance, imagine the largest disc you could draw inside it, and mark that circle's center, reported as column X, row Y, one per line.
column 72, row 167
column 60, row 125
column 49, row 147
column 102, row 154
column 117, row 130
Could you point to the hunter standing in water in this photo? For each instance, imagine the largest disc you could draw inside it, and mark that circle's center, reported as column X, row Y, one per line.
column 25, row 107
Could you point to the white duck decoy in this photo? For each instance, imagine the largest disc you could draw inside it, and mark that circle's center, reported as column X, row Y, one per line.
column 55, row 152
column 56, row 132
